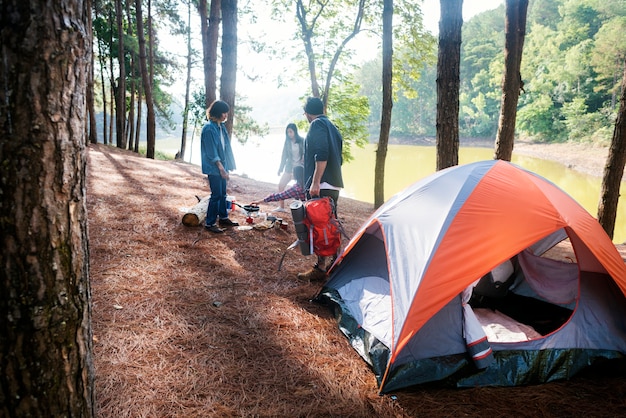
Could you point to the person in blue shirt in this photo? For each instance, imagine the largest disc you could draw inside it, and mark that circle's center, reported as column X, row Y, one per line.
column 217, row 161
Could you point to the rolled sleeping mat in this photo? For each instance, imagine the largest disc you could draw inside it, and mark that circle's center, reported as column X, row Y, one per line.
column 298, row 214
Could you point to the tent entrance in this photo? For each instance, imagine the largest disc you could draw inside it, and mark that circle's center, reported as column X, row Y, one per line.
column 513, row 302
column 515, row 318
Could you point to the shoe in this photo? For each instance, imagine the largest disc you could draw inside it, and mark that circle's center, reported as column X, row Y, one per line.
column 214, row 228
column 313, row 275
column 228, row 222
column 279, row 209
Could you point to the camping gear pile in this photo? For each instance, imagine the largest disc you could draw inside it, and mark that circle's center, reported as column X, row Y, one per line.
column 447, row 282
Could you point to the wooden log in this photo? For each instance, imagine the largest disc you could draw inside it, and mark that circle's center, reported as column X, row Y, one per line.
column 196, row 214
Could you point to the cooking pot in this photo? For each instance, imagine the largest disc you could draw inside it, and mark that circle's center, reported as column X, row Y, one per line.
column 248, row 208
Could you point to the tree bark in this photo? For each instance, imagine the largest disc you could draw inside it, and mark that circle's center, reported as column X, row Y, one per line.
column 387, row 105
column 448, row 83
column 209, row 27
column 147, row 84
column 92, row 127
column 139, row 116
column 133, row 84
column 45, row 330
column 307, row 35
column 112, row 86
column 614, row 168
column 101, row 61
column 515, row 31
column 120, row 96
column 228, row 80
column 183, row 140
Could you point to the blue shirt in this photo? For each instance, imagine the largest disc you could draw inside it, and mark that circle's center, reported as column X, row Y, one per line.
column 212, row 151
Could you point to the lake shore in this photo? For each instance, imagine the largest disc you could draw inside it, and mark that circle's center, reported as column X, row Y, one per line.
column 585, row 158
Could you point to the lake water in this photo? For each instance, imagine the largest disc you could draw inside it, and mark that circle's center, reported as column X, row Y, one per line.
column 259, row 159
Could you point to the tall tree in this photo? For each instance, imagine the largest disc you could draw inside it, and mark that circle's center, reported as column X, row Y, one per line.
column 209, row 28
column 614, row 169
column 512, row 84
column 100, row 27
column 120, row 90
column 147, row 84
column 311, row 15
column 45, row 331
column 92, row 128
column 448, row 82
column 133, row 81
column 387, row 105
column 190, row 55
column 228, row 79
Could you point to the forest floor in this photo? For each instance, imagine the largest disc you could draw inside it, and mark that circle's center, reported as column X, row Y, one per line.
column 187, row 323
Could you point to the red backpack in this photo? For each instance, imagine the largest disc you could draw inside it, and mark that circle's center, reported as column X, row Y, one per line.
column 323, row 227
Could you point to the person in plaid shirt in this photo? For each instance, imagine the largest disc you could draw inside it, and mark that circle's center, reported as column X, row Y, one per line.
column 294, row 192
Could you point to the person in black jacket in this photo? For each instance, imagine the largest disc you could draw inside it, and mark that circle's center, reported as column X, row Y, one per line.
column 323, row 158
column 293, row 154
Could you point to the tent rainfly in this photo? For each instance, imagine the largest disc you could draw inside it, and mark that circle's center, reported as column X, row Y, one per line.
column 448, row 281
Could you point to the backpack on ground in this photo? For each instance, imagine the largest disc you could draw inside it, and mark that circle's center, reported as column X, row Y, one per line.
column 324, row 230
column 317, row 227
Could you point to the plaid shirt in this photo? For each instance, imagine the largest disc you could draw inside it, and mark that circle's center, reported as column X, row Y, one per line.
column 294, row 192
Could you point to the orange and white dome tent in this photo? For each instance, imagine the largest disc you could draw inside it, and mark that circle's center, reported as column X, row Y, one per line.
column 407, row 283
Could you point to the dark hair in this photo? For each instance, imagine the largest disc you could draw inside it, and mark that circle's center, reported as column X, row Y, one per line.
column 293, row 127
column 314, row 106
column 218, row 108
column 298, row 174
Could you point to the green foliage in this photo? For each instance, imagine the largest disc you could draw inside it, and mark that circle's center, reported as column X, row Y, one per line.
column 541, row 119
column 609, row 53
column 158, row 155
column 572, row 64
column 348, row 111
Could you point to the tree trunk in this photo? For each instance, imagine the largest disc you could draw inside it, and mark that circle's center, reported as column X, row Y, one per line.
column 120, row 97
column 228, row 80
column 111, row 109
column 614, row 169
column 209, row 27
column 105, row 139
column 139, row 116
column 307, row 39
column 151, row 36
column 131, row 108
column 147, row 85
column 448, row 83
column 183, row 140
column 91, row 107
column 385, row 120
column 45, row 330
column 515, row 31
column 112, row 86
column 133, row 83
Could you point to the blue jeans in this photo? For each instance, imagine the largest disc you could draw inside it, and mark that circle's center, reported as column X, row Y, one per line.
column 217, row 201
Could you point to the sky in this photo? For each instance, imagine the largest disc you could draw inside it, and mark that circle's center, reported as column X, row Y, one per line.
column 470, row 8
column 262, row 94
column 431, row 11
